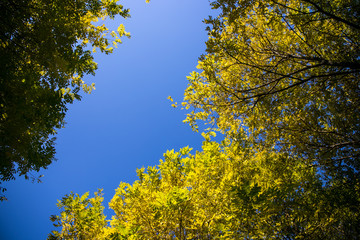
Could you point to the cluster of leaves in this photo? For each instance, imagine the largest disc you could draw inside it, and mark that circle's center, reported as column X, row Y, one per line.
column 287, row 74
column 219, row 193
column 44, row 54
column 82, row 218
column 226, row 191
column 280, row 80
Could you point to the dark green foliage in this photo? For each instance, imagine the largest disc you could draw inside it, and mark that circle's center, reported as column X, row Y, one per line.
column 43, row 57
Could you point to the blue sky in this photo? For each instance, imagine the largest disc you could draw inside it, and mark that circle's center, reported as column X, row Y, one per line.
column 126, row 123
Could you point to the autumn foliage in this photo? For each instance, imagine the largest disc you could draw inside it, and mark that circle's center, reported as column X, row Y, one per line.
column 280, row 82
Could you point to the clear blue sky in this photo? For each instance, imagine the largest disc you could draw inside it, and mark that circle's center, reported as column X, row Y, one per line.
column 126, row 123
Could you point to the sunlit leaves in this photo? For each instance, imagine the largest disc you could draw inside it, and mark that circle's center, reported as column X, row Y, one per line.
column 282, row 77
column 225, row 191
column 286, row 74
column 280, row 80
column 80, row 218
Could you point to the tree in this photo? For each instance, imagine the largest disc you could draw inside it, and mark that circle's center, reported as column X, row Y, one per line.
column 229, row 191
column 81, row 217
column 281, row 81
column 285, row 74
column 226, row 191
column 44, row 52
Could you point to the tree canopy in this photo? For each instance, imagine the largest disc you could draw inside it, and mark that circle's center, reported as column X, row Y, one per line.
column 46, row 48
column 226, row 191
column 285, row 74
column 280, row 81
